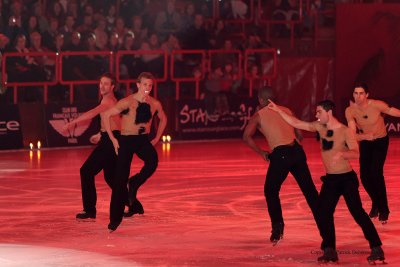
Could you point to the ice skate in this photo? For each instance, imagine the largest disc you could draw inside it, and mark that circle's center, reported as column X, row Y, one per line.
column 383, row 217
column 276, row 234
column 377, row 255
column 330, row 255
column 374, row 212
column 135, row 208
column 86, row 216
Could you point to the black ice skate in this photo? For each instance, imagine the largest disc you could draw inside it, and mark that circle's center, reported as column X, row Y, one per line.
column 330, row 255
column 374, row 212
column 86, row 216
column 377, row 254
column 383, row 217
column 276, row 233
column 112, row 226
column 135, row 208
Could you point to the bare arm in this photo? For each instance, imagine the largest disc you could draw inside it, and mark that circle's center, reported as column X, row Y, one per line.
column 248, row 134
column 394, row 112
column 86, row 116
column 298, row 134
column 351, row 142
column 295, row 122
column 161, row 126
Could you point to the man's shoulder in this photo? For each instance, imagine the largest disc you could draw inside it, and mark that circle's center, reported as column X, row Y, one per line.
column 154, row 101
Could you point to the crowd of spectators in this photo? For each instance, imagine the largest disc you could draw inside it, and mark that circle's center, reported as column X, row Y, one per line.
column 133, row 25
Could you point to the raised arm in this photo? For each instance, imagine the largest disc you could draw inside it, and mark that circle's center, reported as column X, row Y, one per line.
column 161, row 126
column 295, row 122
column 248, row 134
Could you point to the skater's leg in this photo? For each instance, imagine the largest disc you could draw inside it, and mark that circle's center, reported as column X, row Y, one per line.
column 353, row 201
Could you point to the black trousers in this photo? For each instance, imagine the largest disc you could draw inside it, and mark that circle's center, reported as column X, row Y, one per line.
column 285, row 159
column 103, row 158
column 128, row 146
column 346, row 185
column 372, row 159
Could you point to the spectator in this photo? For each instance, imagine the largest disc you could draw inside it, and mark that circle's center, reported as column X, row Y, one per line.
column 130, row 64
column 13, row 29
column 111, row 18
column 138, row 29
column 24, row 68
column 120, row 29
column 188, row 16
column 113, row 42
column 57, row 11
column 101, row 34
column 168, row 20
column 218, row 34
column 68, row 29
column 42, row 21
column 49, row 35
column 285, row 10
column 216, row 100
column 152, row 62
column 196, row 37
column 87, row 26
column 32, row 25
column 45, row 63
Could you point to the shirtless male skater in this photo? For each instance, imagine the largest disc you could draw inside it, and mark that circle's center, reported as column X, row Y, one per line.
column 366, row 116
column 286, row 156
column 138, row 111
column 103, row 156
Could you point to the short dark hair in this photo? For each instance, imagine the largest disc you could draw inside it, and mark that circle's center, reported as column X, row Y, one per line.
column 110, row 76
column 266, row 93
column 327, row 105
column 145, row 75
column 363, row 85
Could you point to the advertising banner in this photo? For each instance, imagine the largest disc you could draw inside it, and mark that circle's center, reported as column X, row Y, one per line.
column 59, row 115
column 195, row 122
column 10, row 127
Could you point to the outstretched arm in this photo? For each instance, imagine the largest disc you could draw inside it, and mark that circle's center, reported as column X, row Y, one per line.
column 393, row 112
column 86, row 116
column 295, row 122
column 161, row 126
column 248, row 134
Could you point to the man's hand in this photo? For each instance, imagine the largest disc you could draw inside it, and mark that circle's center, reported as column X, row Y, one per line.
column 272, row 105
column 265, row 155
column 94, row 139
column 154, row 141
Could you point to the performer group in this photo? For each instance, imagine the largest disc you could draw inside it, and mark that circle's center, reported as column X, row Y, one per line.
column 339, row 144
column 125, row 131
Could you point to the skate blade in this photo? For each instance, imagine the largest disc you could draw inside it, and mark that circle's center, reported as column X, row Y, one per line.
column 328, row 262
column 274, row 243
column 86, row 220
column 377, row 262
